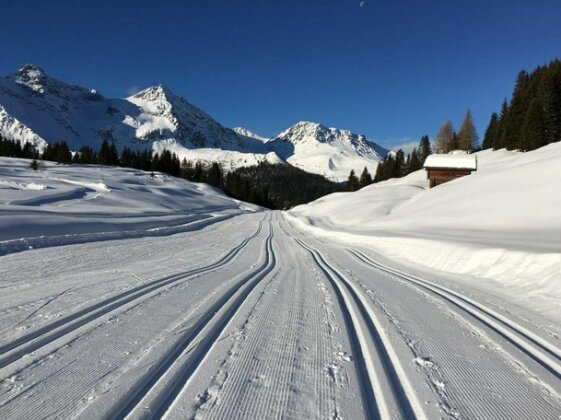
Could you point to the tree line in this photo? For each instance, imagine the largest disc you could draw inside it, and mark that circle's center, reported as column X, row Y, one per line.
column 532, row 118
column 265, row 184
column 394, row 165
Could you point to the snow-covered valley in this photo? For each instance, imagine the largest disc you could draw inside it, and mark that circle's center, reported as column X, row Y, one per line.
column 126, row 295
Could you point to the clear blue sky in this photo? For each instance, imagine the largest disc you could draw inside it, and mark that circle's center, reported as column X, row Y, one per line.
column 391, row 69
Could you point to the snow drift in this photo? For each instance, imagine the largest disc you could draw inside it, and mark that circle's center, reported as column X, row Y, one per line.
column 502, row 223
column 82, row 203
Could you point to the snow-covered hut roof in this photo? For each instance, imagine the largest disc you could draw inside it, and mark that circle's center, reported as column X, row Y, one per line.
column 452, row 161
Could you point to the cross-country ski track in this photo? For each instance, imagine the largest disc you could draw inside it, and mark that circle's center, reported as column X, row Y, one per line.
column 252, row 318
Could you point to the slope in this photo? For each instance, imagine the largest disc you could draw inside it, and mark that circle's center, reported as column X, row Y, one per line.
column 326, row 151
column 72, row 204
column 501, row 223
column 37, row 108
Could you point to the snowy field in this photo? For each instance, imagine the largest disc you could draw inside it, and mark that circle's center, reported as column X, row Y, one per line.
column 246, row 314
column 61, row 205
column 501, row 226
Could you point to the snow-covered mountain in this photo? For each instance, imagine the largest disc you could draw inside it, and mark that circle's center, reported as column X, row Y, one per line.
column 37, row 108
column 327, row 151
column 54, row 110
column 244, row 132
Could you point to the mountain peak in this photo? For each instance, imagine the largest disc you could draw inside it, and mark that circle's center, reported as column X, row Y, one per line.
column 31, row 71
column 31, row 76
column 155, row 93
column 307, row 125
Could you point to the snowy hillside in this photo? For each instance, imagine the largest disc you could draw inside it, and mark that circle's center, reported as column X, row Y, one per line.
column 229, row 159
column 170, row 300
column 37, row 108
column 326, row 151
column 88, row 203
column 244, row 132
column 502, row 222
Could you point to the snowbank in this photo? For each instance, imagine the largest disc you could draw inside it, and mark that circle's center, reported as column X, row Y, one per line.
column 501, row 223
column 81, row 203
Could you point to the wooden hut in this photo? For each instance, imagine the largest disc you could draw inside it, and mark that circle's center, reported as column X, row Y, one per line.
column 447, row 167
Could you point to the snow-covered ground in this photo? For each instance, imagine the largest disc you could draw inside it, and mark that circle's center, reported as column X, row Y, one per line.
column 501, row 225
column 60, row 205
column 248, row 315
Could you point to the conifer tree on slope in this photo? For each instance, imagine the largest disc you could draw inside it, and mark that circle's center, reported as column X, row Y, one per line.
column 549, row 93
column 491, row 139
column 534, row 127
column 443, row 143
column 413, row 162
column 467, row 136
column 352, row 182
column 365, row 178
column 400, row 167
column 424, row 149
column 502, row 140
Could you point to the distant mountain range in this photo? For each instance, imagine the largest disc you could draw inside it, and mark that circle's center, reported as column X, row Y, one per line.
column 39, row 109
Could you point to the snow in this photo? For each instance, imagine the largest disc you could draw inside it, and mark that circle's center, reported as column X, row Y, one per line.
column 228, row 159
column 452, row 161
column 183, row 303
column 79, row 203
column 250, row 134
column 253, row 318
column 500, row 225
column 37, row 108
column 330, row 152
column 126, row 295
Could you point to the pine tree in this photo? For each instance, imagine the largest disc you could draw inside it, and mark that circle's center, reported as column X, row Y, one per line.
column 34, row 164
column 444, row 141
column 187, row 171
column 214, row 176
column 400, row 167
column 352, row 182
column 63, row 154
column 379, row 175
column 28, row 151
column 424, row 149
column 108, row 154
column 549, row 93
column 534, row 127
column 467, row 136
column 413, row 162
column 127, row 158
column 503, row 118
column 491, row 139
column 199, row 173
column 365, row 178
column 519, row 117
column 85, row 155
column 155, row 164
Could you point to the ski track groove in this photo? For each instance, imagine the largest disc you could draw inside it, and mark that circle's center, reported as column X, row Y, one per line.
column 16, row 349
column 271, row 354
column 267, row 406
column 402, row 390
column 192, row 347
column 544, row 353
column 236, row 375
column 326, row 405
